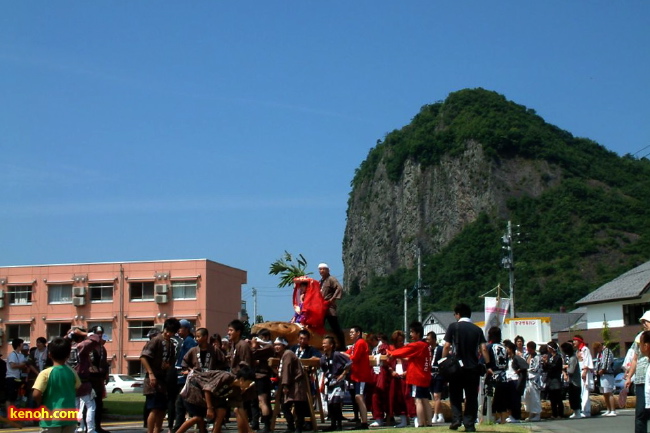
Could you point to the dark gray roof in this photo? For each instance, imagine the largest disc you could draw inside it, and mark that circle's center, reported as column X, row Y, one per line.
column 445, row 318
column 630, row 285
column 559, row 321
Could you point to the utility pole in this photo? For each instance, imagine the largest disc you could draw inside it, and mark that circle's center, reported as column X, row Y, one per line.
column 508, row 263
column 121, row 320
column 419, row 288
column 406, row 300
column 254, row 305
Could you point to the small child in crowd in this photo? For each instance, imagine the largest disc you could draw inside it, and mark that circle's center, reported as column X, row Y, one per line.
column 56, row 388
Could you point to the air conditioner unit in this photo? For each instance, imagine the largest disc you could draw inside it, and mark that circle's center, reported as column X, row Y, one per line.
column 79, row 291
column 159, row 326
column 161, row 289
column 2, row 303
column 78, row 302
column 2, row 332
column 161, row 299
column 2, row 293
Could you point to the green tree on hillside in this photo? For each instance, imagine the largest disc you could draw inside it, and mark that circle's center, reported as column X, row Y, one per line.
column 583, row 232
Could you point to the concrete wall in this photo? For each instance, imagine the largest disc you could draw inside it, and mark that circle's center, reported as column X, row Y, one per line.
column 598, row 313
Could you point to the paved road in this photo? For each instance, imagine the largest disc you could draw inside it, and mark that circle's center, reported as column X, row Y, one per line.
column 624, row 422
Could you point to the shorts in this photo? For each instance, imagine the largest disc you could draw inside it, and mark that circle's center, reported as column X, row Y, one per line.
column 437, row 384
column 501, row 397
column 11, row 389
column 361, row 388
column 607, row 383
column 250, row 394
column 263, row 385
column 420, row 392
column 157, row 401
column 222, row 403
column 195, row 410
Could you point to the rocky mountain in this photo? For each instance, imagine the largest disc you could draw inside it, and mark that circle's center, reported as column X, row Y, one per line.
column 477, row 154
column 429, row 205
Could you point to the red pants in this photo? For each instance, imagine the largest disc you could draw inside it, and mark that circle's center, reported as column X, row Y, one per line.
column 401, row 402
column 381, row 397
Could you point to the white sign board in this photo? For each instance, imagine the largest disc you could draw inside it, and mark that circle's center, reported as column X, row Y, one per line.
column 537, row 329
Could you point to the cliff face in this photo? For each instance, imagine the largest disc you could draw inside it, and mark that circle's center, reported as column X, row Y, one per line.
column 429, row 205
column 448, row 181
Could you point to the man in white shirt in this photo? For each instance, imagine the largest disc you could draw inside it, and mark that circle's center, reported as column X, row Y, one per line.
column 16, row 363
column 586, row 363
column 39, row 354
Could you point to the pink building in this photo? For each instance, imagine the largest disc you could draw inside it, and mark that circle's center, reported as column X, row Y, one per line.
column 127, row 299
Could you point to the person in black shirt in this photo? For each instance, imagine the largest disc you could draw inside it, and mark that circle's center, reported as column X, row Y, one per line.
column 467, row 339
column 437, row 380
column 99, row 368
column 552, row 364
column 262, row 347
column 303, row 350
column 335, row 367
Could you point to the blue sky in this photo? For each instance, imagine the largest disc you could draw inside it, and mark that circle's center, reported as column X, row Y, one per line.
column 231, row 130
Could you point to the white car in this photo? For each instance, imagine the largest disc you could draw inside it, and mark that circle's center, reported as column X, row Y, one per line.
column 123, row 383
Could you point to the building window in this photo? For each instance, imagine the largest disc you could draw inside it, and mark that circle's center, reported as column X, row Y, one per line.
column 142, row 291
column 632, row 313
column 57, row 330
column 101, row 292
column 138, row 330
column 108, row 328
column 183, row 290
column 59, row 294
column 22, row 330
column 134, row 368
column 19, row 295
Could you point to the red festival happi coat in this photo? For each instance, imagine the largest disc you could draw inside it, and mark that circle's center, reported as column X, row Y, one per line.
column 418, row 371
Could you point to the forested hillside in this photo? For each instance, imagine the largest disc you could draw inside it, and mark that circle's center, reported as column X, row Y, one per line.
column 578, row 230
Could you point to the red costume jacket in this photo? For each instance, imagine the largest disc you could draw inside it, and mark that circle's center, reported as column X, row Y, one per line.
column 418, row 371
column 360, row 370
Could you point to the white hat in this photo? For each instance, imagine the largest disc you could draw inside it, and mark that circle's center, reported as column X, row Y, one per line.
column 280, row 340
column 259, row 340
column 323, row 265
column 646, row 317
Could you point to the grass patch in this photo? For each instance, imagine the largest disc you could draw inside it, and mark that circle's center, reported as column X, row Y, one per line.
column 124, row 404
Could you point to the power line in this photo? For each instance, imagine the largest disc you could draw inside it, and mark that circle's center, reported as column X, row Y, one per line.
column 642, row 149
column 267, row 295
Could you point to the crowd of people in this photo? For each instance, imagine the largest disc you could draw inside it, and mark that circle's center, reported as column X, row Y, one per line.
column 66, row 373
column 391, row 382
column 238, row 381
column 192, row 377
